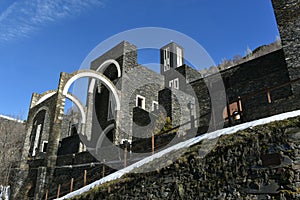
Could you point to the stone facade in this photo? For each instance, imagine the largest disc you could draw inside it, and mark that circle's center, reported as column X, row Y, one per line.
column 140, row 87
column 127, row 94
column 249, row 82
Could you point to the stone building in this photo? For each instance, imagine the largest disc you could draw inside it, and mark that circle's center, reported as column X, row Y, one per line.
column 124, row 99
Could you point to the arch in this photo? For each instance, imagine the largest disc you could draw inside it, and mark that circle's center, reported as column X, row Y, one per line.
column 79, row 106
column 102, row 135
column 30, row 121
column 30, row 127
column 45, row 96
column 96, row 75
column 71, row 97
column 102, row 68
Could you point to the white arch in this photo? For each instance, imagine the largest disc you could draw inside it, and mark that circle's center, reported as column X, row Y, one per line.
column 96, row 75
column 44, row 97
column 102, row 68
column 69, row 96
column 102, row 135
column 79, row 106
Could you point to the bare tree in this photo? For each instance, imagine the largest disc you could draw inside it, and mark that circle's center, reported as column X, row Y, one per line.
column 12, row 133
column 237, row 58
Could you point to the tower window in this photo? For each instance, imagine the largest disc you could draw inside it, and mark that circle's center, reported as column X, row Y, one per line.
column 179, row 56
column 166, row 59
column 174, row 83
column 171, row 83
column 140, row 101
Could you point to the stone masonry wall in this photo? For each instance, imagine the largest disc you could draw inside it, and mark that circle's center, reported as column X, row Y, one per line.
column 250, row 81
column 261, row 162
column 24, row 183
column 140, row 81
column 287, row 14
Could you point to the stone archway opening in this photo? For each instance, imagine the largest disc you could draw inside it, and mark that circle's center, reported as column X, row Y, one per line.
column 112, row 94
column 39, row 133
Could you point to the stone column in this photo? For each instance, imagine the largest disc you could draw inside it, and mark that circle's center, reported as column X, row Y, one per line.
column 288, row 21
column 117, row 128
column 55, row 129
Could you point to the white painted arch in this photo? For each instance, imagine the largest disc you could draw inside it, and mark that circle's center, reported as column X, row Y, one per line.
column 45, row 96
column 96, row 75
column 76, row 101
column 102, row 68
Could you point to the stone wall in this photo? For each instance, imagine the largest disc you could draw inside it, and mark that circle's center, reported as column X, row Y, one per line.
column 69, row 145
column 125, row 54
column 140, row 81
column 79, row 162
column 261, row 162
column 23, row 179
column 67, row 167
column 136, row 79
column 249, row 81
column 189, row 73
column 287, row 14
column 143, row 123
column 254, row 164
column 176, row 105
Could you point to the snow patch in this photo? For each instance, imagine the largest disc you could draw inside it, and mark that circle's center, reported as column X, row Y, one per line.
column 11, row 118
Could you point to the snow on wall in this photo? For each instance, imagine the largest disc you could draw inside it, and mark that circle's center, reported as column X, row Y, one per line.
column 11, row 118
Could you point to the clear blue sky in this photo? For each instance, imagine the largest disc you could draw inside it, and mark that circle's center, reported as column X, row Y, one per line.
column 41, row 38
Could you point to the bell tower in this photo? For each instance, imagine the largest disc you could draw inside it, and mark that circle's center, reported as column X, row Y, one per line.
column 171, row 57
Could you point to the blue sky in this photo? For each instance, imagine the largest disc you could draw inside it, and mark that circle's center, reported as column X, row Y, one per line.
column 41, row 38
